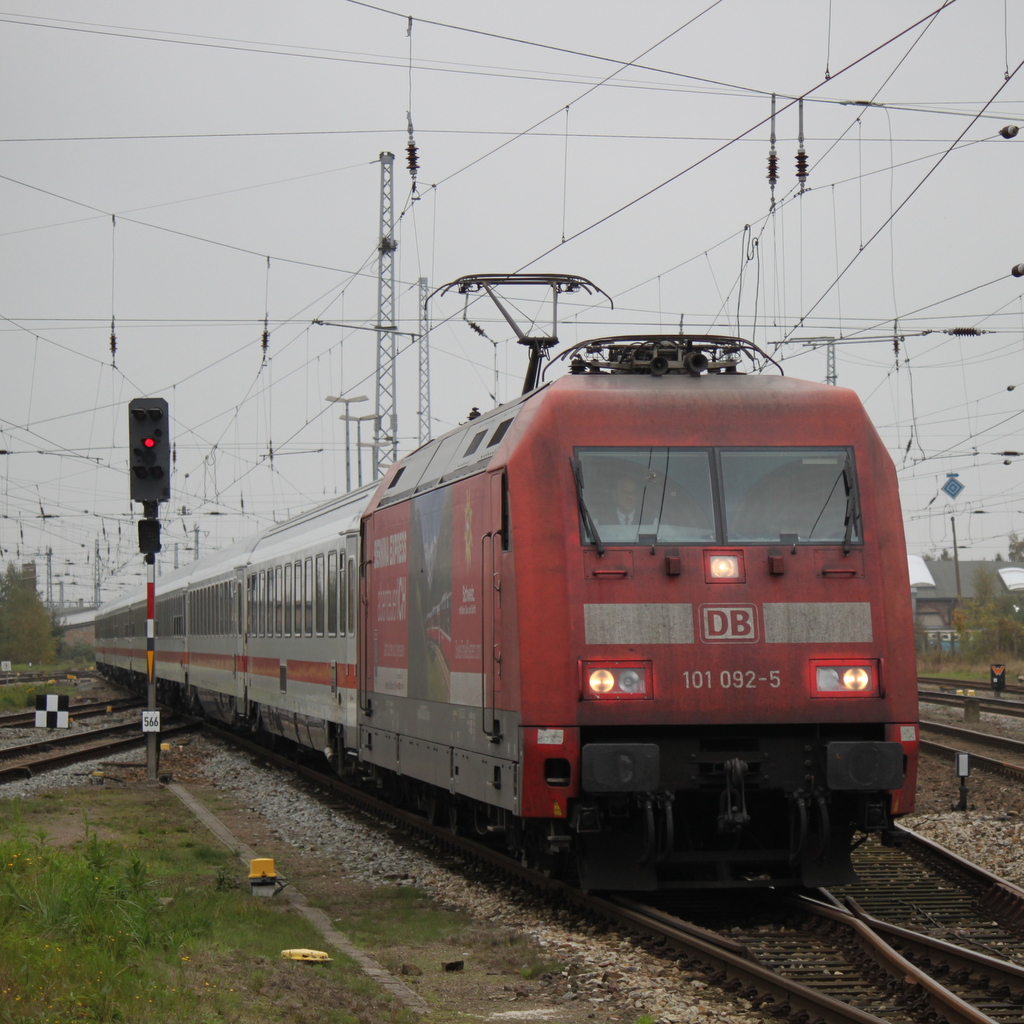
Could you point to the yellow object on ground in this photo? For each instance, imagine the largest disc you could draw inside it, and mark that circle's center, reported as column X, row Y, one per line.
column 262, row 867
column 310, row 955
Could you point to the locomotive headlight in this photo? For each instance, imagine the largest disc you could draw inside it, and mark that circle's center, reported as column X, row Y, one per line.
column 630, row 681
column 616, row 681
column 725, row 567
column 835, row 679
column 827, row 679
column 856, row 679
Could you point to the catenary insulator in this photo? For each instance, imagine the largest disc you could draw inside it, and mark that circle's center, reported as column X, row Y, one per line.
column 1018, row 271
column 773, row 168
column 801, row 167
column 412, row 158
column 801, row 155
column 1009, row 131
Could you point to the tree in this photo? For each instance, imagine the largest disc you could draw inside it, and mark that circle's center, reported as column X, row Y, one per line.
column 1016, row 552
column 989, row 623
column 26, row 628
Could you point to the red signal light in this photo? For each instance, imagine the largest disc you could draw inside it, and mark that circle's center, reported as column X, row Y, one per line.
column 149, row 442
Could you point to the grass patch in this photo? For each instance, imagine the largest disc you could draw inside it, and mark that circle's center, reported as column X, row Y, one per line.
column 402, row 916
column 19, row 696
column 128, row 914
column 959, row 668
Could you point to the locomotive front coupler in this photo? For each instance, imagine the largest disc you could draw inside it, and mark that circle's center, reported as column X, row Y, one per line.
column 733, row 816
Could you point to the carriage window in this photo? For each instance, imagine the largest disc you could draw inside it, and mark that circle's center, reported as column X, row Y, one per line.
column 352, row 597
column 278, row 601
column 262, row 601
column 332, row 592
column 307, row 586
column 474, row 444
column 499, row 433
column 288, row 599
column 789, row 494
column 297, row 624
column 647, row 495
column 342, row 595
column 319, row 605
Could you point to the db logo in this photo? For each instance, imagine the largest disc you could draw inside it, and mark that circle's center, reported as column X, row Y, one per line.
column 728, row 623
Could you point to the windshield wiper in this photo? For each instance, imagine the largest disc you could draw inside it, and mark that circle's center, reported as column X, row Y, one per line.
column 588, row 519
column 852, row 504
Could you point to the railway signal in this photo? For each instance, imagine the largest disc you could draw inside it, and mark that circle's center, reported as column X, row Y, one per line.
column 149, row 450
column 149, row 464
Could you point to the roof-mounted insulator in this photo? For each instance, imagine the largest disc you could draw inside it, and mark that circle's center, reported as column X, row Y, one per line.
column 773, row 156
column 801, row 154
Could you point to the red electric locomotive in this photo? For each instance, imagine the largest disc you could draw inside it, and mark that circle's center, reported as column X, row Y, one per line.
column 651, row 622
column 679, row 647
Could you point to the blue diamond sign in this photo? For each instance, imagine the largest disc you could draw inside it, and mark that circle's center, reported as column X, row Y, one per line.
column 952, row 486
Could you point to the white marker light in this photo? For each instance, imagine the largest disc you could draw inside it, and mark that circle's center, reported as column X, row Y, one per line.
column 725, row 567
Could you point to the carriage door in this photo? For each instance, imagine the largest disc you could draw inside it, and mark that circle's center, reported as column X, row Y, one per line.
column 240, row 663
column 494, row 541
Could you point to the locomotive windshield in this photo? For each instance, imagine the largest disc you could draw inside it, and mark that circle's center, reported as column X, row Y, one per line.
column 727, row 495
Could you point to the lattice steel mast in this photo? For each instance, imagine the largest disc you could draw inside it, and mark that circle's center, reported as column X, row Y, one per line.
column 385, row 424
column 424, row 403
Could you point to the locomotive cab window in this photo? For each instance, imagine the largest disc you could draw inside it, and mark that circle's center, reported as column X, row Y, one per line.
column 792, row 495
column 646, row 495
column 726, row 496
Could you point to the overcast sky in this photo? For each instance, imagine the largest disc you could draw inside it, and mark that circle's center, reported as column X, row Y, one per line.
column 190, row 169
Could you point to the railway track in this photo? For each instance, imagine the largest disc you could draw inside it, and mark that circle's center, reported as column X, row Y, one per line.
column 21, row 719
column 924, row 937
column 25, row 760
column 960, row 684
column 974, row 742
column 14, row 678
column 991, row 705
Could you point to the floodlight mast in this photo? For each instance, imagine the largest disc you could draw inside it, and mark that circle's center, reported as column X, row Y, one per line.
column 539, row 345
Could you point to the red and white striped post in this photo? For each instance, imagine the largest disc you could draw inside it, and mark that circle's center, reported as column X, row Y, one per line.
column 152, row 748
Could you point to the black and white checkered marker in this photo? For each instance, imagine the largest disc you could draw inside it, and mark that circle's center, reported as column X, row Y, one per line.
column 52, row 711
